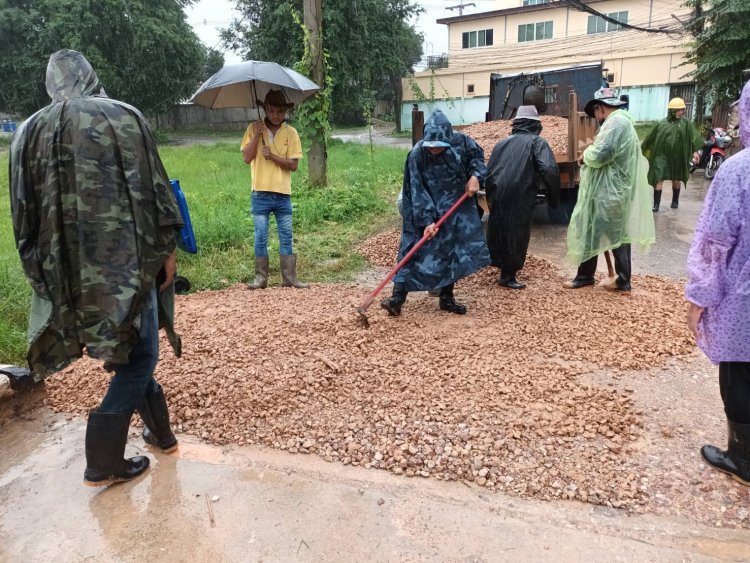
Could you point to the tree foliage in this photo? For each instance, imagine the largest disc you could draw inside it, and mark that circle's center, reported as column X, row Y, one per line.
column 370, row 43
column 721, row 48
column 144, row 51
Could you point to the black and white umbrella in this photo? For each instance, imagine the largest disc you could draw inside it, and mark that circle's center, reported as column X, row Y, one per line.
column 241, row 85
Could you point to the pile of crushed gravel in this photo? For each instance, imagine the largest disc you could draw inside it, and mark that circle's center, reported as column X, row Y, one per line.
column 493, row 397
column 554, row 131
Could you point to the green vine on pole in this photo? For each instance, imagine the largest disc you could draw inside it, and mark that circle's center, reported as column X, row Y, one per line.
column 428, row 98
column 313, row 115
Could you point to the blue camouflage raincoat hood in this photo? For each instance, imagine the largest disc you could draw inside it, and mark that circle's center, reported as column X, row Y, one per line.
column 437, row 131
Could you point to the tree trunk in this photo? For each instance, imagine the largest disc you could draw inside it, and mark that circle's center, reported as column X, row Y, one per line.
column 316, row 155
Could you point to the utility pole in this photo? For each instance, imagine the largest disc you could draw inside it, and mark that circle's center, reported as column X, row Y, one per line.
column 460, row 7
column 317, row 155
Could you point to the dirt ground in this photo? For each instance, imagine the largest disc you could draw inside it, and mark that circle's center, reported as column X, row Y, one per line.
column 543, row 424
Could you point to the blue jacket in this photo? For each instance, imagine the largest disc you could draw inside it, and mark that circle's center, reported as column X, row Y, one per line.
column 432, row 184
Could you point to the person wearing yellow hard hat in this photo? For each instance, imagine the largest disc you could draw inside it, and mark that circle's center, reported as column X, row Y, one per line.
column 669, row 147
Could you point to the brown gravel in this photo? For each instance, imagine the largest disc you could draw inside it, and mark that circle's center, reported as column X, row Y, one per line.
column 494, row 397
column 554, row 131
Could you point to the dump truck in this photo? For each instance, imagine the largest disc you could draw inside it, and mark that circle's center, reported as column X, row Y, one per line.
column 562, row 92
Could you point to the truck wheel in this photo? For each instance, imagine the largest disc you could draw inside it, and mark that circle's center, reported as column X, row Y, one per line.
column 561, row 215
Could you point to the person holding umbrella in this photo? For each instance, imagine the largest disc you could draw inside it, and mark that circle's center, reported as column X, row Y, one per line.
column 273, row 149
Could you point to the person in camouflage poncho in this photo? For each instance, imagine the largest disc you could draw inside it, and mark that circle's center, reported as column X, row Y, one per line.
column 95, row 223
column 438, row 170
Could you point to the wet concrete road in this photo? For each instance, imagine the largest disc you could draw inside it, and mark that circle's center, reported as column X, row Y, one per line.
column 674, row 233
column 272, row 506
column 380, row 136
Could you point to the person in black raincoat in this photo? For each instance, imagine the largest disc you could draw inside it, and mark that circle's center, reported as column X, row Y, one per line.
column 519, row 165
column 438, row 170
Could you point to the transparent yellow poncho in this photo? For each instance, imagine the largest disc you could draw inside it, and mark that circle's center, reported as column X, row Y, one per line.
column 614, row 197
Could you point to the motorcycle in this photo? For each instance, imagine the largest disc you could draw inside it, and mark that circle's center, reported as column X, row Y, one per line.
column 713, row 153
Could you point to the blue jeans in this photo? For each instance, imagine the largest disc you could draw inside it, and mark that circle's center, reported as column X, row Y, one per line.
column 136, row 378
column 263, row 204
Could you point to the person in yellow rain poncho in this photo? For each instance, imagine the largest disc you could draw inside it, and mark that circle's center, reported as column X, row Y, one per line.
column 614, row 207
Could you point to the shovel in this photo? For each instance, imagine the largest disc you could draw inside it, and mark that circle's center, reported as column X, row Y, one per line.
column 362, row 309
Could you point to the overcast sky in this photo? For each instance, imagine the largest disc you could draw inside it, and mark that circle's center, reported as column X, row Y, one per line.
column 207, row 15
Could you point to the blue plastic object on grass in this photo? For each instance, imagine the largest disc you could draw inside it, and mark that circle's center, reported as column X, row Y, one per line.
column 187, row 236
column 8, row 126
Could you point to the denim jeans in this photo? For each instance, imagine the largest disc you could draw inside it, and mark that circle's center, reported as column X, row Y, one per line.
column 136, row 378
column 263, row 204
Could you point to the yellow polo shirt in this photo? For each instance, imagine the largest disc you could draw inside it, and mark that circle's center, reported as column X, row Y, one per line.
column 267, row 175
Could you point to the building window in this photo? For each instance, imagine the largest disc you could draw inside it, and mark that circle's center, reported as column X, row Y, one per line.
column 481, row 38
column 470, row 88
column 535, row 31
column 534, row 2
column 598, row 24
column 550, row 95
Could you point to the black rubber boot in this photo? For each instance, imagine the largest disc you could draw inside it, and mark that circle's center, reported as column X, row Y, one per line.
column 736, row 459
column 448, row 303
column 289, row 272
column 155, row 416
column 657, row 200
column 106, row 435
column 622, row 267
column 397, row 298
column 584, row 276
column 675, row 198
column 508, row 279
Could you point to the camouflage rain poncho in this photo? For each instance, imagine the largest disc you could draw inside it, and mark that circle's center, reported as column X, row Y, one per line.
column 94, row 218
column 614, row 198
column 432, row 184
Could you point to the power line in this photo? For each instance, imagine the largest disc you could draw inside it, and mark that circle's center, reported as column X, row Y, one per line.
column 581, row 7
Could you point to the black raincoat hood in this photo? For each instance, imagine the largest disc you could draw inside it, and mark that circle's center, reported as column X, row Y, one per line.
column 526, row 126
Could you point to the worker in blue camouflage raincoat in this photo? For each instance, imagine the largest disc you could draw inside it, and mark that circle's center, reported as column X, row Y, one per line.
column 438, row 170
column 96, row 226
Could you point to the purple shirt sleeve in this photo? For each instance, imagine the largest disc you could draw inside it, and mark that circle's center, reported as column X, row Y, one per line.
column 715, row 237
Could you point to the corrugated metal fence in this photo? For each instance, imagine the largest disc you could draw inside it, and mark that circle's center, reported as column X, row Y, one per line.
column 191, row 116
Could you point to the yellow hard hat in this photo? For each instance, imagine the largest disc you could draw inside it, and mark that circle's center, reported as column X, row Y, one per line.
column 676, row 103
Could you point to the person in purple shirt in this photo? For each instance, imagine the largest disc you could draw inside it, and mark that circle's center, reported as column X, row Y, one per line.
column 718, row 290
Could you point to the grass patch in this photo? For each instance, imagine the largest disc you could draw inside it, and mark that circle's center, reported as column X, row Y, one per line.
column 643, row 128
column 328, row 222
column 202, row 132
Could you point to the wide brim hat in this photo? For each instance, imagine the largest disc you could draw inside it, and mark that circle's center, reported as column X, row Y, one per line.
column 275, row 98
column 605, row 96
column 527, row 112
